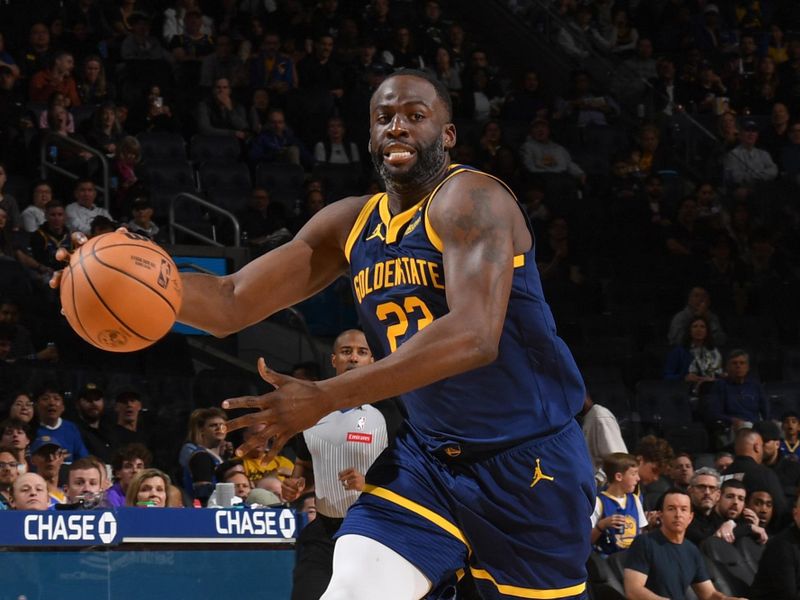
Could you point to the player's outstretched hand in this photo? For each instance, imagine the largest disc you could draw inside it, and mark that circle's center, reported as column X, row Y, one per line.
column 294, row 406
column 62, row 254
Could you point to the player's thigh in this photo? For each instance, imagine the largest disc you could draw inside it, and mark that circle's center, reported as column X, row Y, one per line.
column 364, row 569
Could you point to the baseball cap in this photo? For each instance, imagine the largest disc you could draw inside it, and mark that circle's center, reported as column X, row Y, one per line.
column 91, row 391
column 769, row 431
column 749, row 126
column 126, row 394
column 43, row 441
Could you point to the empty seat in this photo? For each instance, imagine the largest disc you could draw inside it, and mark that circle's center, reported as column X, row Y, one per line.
column 215, row 177
column 283, row 180
column 165, row 180
column 782, row 397
column 160, row 146
column 612, row 395
column 602, row 581
column 688, row 437
column 663, row 403
column 731, row 574
column 217, row 148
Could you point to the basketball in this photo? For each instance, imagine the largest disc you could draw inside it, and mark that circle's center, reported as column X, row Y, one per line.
column 121, row 292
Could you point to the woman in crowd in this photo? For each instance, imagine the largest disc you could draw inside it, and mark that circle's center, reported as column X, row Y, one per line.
column 22, row 408
column 149, row 488
column 56, row 99
column 106, row 132
column 697, row 360
column 93, row 86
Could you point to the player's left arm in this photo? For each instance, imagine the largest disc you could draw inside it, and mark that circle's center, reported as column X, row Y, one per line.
column 481, row 228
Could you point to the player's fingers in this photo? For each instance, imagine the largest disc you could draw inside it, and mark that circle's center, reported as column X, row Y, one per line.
column 278, row 442
column 55, row 280
column 122, row 230
column 78, row 239
column 62, row 255
column 272, row 377
column 248, row 420
column 244, row 402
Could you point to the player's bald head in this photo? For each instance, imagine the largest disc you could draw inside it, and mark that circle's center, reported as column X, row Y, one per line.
column 348, row 336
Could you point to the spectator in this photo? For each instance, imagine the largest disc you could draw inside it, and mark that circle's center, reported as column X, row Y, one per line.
column 777, row 44
column 579, row 35
column 128, row 156
column 149, row 488
column 259, row 110
column 272, row 70
column 737, row 400
column 142, row 219
column 697, row 360
column 776, row 135
column 241, row 485
column 760, row 502
column 664, row 563
column 681, row 470
column 630, row 80
column 263, row 222
column 193, row 43
column 223, row 64
column 431, row 30
column 729, row 520
column 8, row 203
column 261, row 473
column 101, row 225
column 722, row 460
column 207, row 448
column 697, row 304
column 56, row 99
column 618, row 516
column 490, row 145
column 277, row 143
column 15, row 435
column 336, row 148
column 153, row 114
column 127, row 462
column 402, row 53
column 93, row 85
column 786, row 470
column 47, row 457
column 8, row 475
column 56, row 78
column 748, row 467
column 654, row 455
column 48, row 239
column 33, row 215
column 37, row 55
column 49, row 409
column 175, row 19
column 542, row 155
column 83, row 485
column 139, row 44
column 21, row 408
column 81, row 212
column 778, row 573
column 790, row 444
column 96, row 431
column 221, row 114
column 747, row 164
column 704, row 491
column 129, row 429
column 446, row 72
column 106, row 132
column 6, row 60
column 335, row 468
column 31, row 492
column 378, row 23
column 602, row 434
column 583, row 106
column 526, row 102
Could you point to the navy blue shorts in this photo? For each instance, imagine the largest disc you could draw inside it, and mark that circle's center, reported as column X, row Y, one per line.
column 519, row 519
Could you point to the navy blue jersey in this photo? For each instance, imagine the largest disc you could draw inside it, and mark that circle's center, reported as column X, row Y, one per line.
column 532, row 389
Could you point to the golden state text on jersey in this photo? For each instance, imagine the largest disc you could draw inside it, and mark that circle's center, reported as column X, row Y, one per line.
column 398, row 281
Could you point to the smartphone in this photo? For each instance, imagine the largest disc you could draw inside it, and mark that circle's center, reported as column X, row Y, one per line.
column 158, row 101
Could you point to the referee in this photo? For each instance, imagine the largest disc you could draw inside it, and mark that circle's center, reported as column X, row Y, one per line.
column 332, row 458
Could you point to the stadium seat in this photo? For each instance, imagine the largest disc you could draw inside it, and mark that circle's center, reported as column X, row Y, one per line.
column 216, row 148
column 231, row 200
column 732, row 571
column 663, row 403
column 158, row 146
column 612, row 395
column 82, row 116
column 283, row 180
column 751, row 550
column 339, row 181
column 688, row 437
column 222, row 177
column 603, row 583
column 782, row 397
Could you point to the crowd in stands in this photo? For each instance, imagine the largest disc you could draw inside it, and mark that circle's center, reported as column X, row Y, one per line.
column 661, row 188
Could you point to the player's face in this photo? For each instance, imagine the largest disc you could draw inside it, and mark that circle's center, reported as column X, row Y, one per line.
column 351, row 352
column 676, row 513
column 409, row 131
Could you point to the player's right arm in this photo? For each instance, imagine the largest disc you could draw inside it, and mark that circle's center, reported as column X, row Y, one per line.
column 274, row 281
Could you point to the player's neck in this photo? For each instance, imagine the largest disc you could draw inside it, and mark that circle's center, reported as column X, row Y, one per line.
column 404, row 195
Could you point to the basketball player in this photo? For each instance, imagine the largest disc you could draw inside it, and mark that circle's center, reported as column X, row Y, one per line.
column 332, row 457
column 490, row 472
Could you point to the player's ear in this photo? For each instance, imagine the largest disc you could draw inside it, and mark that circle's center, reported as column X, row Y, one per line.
column 449, row 136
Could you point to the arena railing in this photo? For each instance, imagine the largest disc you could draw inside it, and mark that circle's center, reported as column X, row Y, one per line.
column 47, row 162
column 192, row 198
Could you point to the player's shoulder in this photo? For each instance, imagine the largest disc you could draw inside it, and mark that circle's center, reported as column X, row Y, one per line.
column 476, row 195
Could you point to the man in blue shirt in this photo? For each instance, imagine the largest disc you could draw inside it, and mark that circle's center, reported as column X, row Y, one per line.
column 737, row 400
column 49, row 408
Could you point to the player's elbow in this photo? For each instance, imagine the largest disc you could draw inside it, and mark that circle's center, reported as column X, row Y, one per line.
column 483, row 348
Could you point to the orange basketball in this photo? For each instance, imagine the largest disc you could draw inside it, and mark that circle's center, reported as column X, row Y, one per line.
column 121, row 292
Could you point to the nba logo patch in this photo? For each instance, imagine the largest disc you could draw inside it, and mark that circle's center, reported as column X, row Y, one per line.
column 361, row 423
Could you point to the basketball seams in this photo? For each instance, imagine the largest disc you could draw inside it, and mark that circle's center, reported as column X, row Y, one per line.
column 152, row 247
column 102, row 300
column 132, row 276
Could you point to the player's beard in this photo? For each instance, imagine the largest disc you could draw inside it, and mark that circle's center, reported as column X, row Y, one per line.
column 430, row 161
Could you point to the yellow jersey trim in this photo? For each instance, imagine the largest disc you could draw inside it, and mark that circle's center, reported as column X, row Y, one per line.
column 519, row 261
column 418, row 509
column 395, row 223
column 790, row 447
column 521, row 592
column 359, row 224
